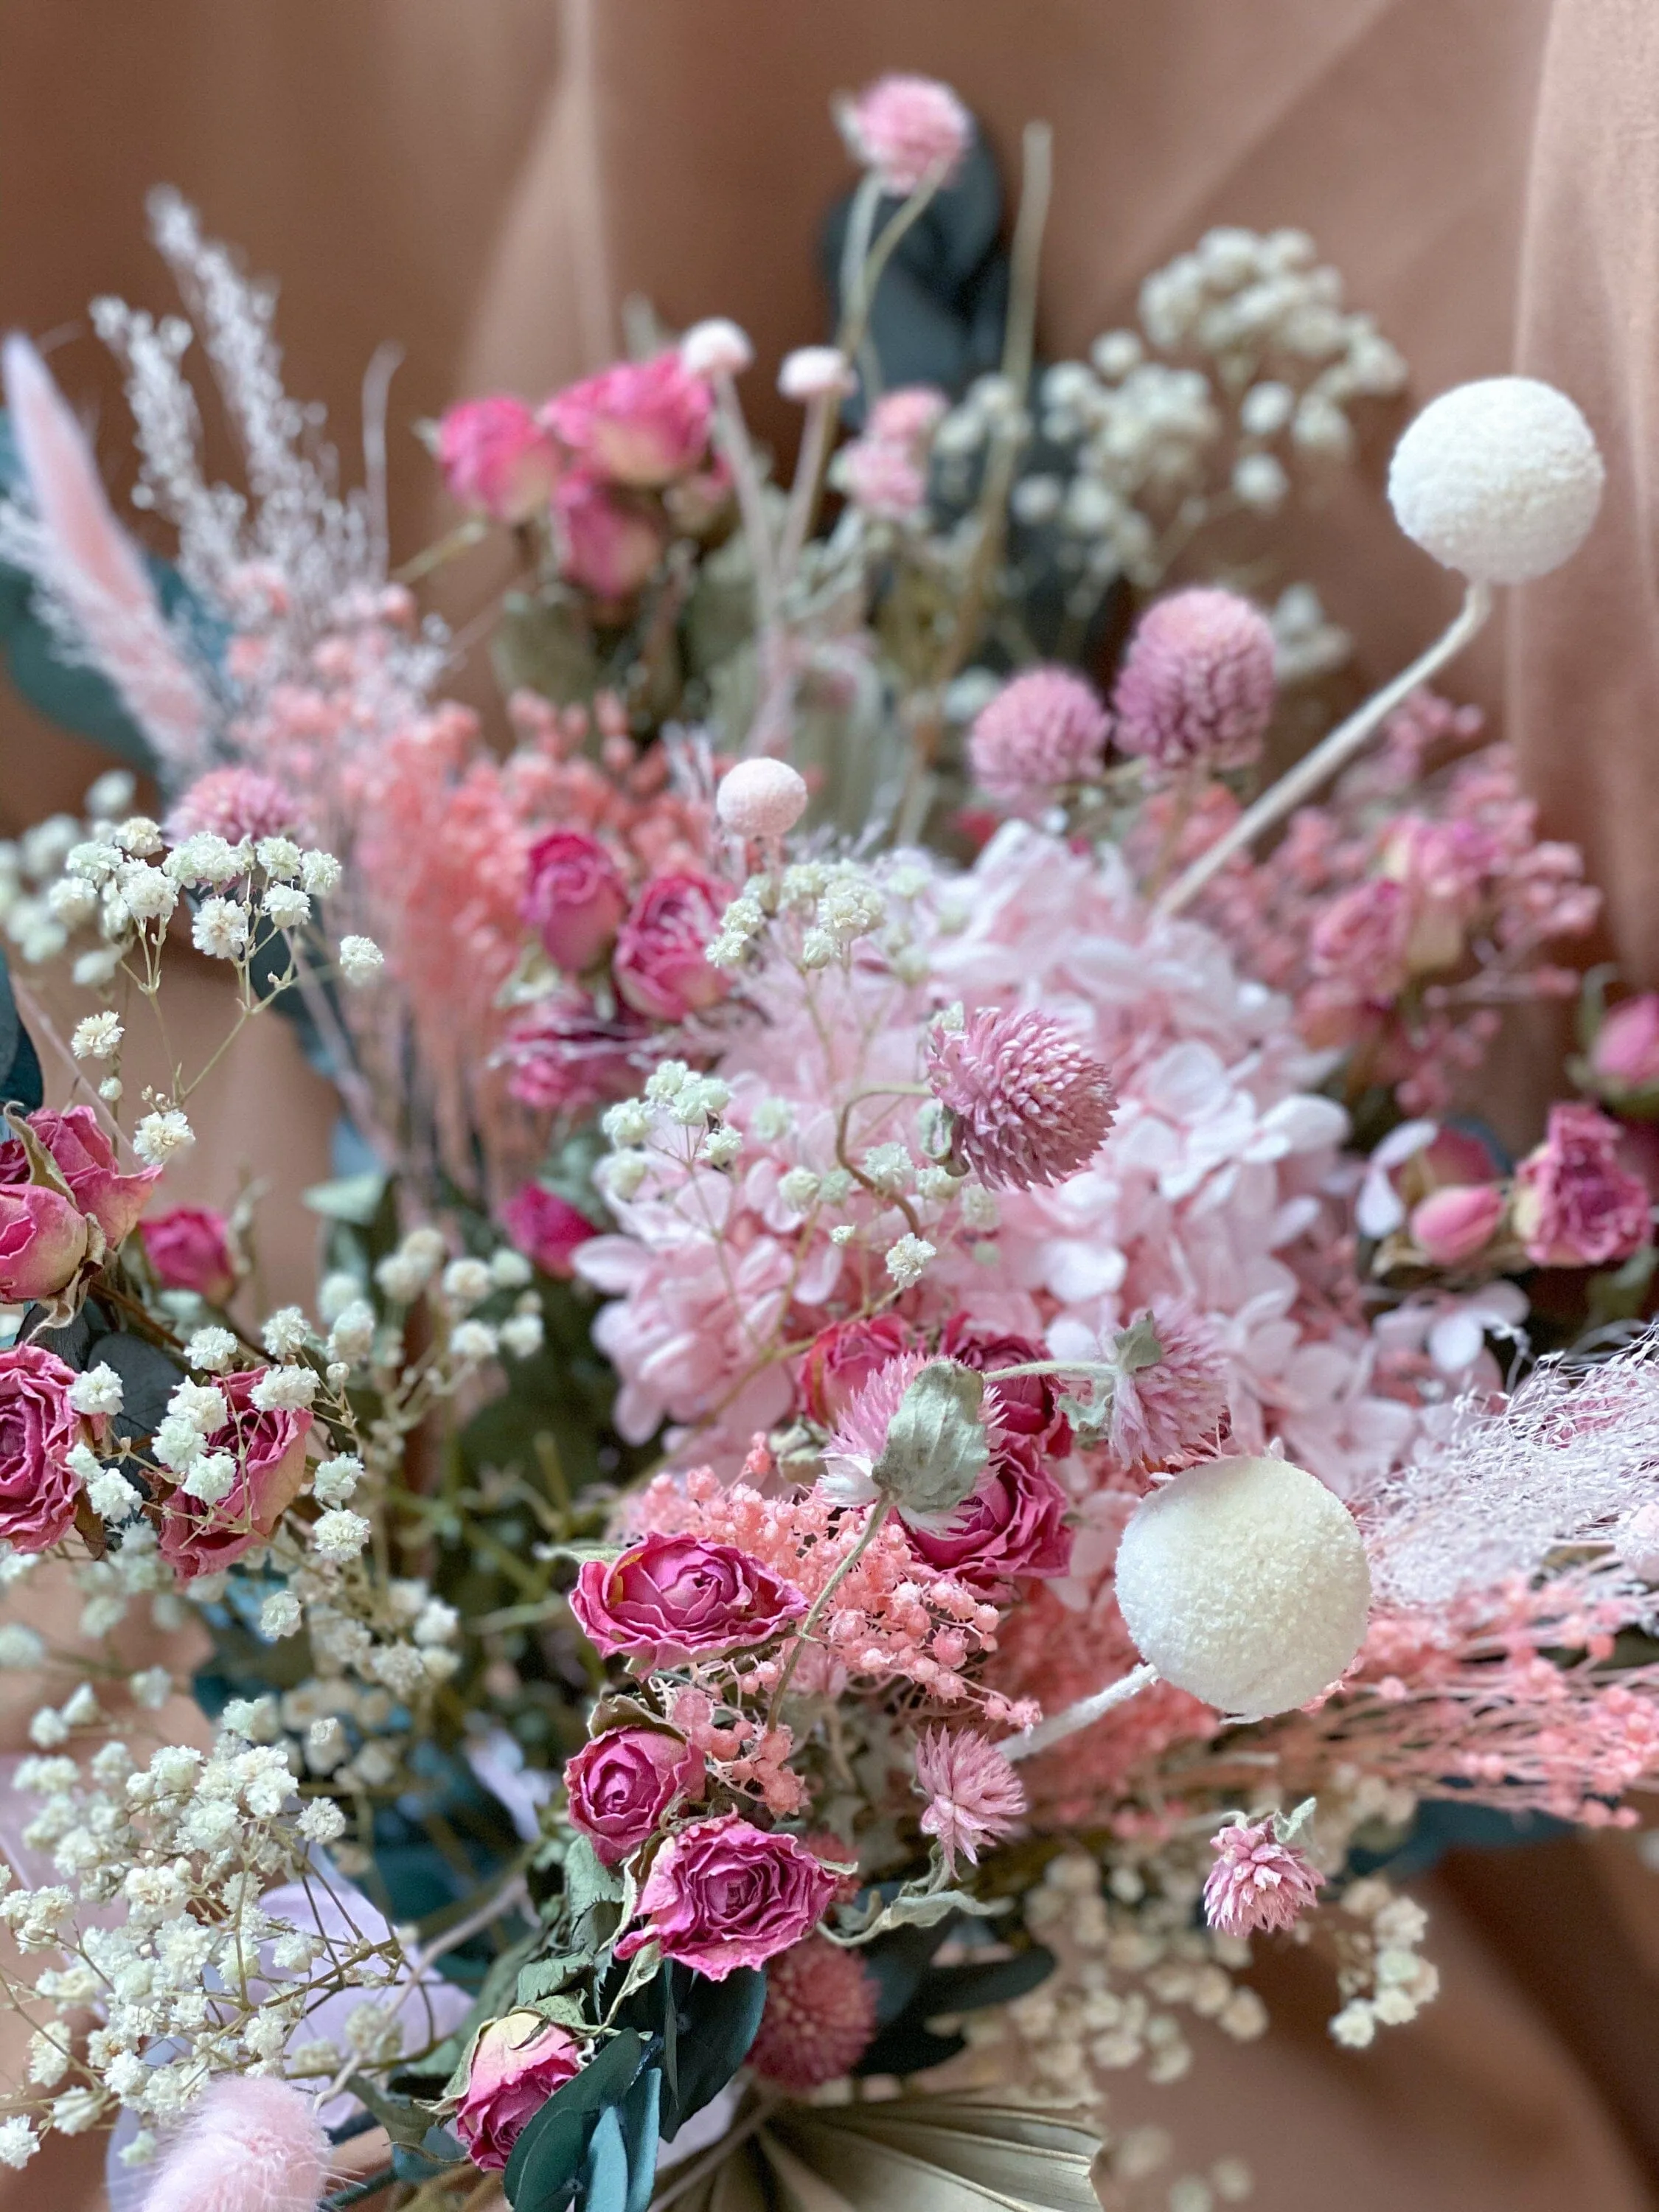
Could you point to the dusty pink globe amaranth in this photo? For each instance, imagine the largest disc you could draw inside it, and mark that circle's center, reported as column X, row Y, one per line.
column 233, row 803
column 1028, row 1105
column 905, row 129
column 1196, row 687
column 1044, row 730
column 819, row 2018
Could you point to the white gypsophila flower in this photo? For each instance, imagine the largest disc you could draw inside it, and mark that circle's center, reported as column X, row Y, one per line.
column 98, row 1390
column 509, row 1270
column 109, row 795
column 284, row 1390
column 522, row 1334
column 322, row 1821
column 111, row 1496
column 466, row 1283
column 399, row 1667
column 18, row 2141
column 96, row 861
column 889, row 1167
column 21, row 1648
column 335, row 1292
column 147, row 894
column 437, row 1623
column 798, row 1189
column 470, row 1341
column 151, row 1688
column 286, row 905
column 665, row 1082
column 1260, row 482
column 97, row 1037
column 220, row 928
column 772, row 1119
column 81, row 1707
column 92, row 970
column 818, row 948
column 360, row 960
column 178, row 1443
column 320, row 872
column 280, row 1616
column 204, row 1405
column 721, row 1146
column 211, row 1350
column 210, row 1478
column 979, row 1206
column 622, row 1174
column 336, row 1478
column 340, row 1535
column 139, row 835
column 161, row 1136
column 353, row 1333
column 909, row 1260
column 72, row 903
column 48, row 1728
column 628, row 1124
column 279, row 857
column 112, row 1089
column 204, row 857
column 285, row 1332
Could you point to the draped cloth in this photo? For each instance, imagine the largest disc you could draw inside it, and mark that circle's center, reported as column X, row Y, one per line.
column 488, row 182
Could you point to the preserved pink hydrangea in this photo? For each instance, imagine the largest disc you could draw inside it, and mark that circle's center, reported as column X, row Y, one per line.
column 908, row 129
column 1165, row 1415
column 639, row 422
column 881, row 479
column 1027, row 1103
column 233, row 803
column 1196, row 687
column 497, row 458
column 974, row 1795
column 1044, row 730
column 1258, row 1881
column 819, row 2019
column 722, row 1894
column 1575, row 1204
column 675, row 1597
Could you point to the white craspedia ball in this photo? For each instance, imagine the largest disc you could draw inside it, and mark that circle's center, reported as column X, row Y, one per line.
column 762, row 798
column 1499, row 479
column 1244, row 1582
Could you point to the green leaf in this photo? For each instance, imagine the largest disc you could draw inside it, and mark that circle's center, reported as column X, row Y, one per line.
column 545, row 1978
column 436, row 2149
column 406, row 2123
column 548, row 2152
column 605, row 2170
column 640, row 2116
column 354, row 1198
column 1621, row 1293
column 707, row 2029
column 21, row 1081
column 946, row 1990
column 937, row 1447
column 922, row 1908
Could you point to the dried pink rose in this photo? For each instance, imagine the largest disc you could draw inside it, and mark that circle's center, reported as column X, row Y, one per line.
column 638, row 422
column 620, row 1785
column 908, row 129
column 1575, row 1204
column 722, row 1894
column 976, row 1797
column 820, row 2016
column 1025, row 1409
column 574, row 897
column 1259, row 1880
column 1043, row 730
column 1452, row 1225
column 841, row 1358
column 81, row 1154
column 658, row 964
column 497, row 458
column 1625, row 1053
column 1012, row 1527
column 43, row 1242
column 38, row 1431
column 670, row 1597
column 563, row 1056
column 189, row 1251
column 518, row 2063
column 1196, row 687
column 1028, row 1105
column 1362, row 937
column 546, row 1228
column 270, row 1449
column 609, row 542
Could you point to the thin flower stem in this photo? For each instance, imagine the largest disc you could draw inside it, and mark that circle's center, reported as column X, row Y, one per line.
column 1083, row 1714
column 872, row 1526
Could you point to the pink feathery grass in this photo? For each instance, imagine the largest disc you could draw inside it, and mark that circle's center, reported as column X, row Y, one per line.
column 254, row 2145
column 1028, row 1105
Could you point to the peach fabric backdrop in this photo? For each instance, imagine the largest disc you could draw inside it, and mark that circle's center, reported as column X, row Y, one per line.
column 485, row 180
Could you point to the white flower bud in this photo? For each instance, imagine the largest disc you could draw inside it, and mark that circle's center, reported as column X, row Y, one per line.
column 715, row 347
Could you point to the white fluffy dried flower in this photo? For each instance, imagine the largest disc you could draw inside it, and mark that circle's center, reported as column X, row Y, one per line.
column 161, row 1136
column 97, row 1037
column 361, row 961
column 220, row 928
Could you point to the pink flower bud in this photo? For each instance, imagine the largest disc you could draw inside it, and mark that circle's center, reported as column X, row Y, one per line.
column 640, row 422
column 1625, row 1053
column 660, row 966
column 815, row 373
column 574, row 897
column 188, row 1250
column 609, row 544
column 497, row 458
column 83, row 1156
column 43, row 1241
column 517, row 2064
column 908, row 129
column 762, row 798
column 1453, row 1224
column 545, row 1228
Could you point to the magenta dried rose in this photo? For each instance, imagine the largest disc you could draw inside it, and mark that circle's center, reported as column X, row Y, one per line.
column 722, row 1894
column 841, row 1359
column 43, row 1241
column 1027, row 1406
column 270, row 1449
column 668, row 1597
column 518, row 2063
column 609, row 542
column 81, row 1151
column 546, row 1228
column 1013, row 1524
column 563, row 1055
column 189, row 1251
column 497, row 458
column 1575, row 1204
column 574, row 897
column 622, row 1784
column 639, row 422
column 658, row 963
column 38, row 1431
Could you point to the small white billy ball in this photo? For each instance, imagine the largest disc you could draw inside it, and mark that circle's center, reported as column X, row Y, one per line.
column 762, row 798
column 1244, row 1582
column 1500, row 479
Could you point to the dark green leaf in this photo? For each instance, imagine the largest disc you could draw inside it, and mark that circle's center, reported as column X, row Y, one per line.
column 640, row 2116
column 968, row 1987
column 406, row 2123
column 708, row 2028
column 605, row 2170
column 21, row 1082
column 148, row 1377
column 548, row 2152
column 436, row 2149
column 544, row 1978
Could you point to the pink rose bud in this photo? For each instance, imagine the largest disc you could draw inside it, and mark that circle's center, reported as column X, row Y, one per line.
column 81, row 1154
column 188, row 1250
column 1454, row 1224
column 841, row 1358
column 667, row 1598
column 1625, row 1053
column 722, row 1894
column 574, row 897
column 1575, row 1204
column 609, row 543
column 642, row 422
column 546, row 1228
column 269, row 1450
column 659, row 965
column 497, row 458
column 43, row 1241
column 517, row 2064
column 620, row 1785
column 38, row 1431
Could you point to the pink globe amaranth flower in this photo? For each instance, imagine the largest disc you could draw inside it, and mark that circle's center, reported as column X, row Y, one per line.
column 563, row 1056
column 609, row 542
column 1574, row 1204
column 1625, row 1053
column 497, row 458
column 841, row 1358
column 882, row 480
column 1362, row 937
column 658, row 964
column 668, row 1598
column 976, row 1797
column 640, row 422
column 1196, row 687
column 38, row 1431
column 820, row 2016
column 909, row 417
column 907, row 129
column 81, row 1154
column 1012, row 1528
column 1257, row 1882
column 270, row 1449
column 722, row 1894
column 518, row 2063
column 43, row 1242
column 233, row 803
column 189, row 1251
column 1028, row 1105
column 250, row 2141
column 1028, row 1406
column 546, row 1228
column 762, row 798
column 1452, row 1225
column 1043, row 730
column 574, row 897
column 620, row 1785
column 1165, row 1415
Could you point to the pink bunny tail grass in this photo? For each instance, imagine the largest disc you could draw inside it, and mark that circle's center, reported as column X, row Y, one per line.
column 86, row 560
column 253, row 2146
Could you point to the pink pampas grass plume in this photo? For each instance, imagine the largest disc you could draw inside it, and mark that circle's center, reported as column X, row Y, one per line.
column 1028, row 1105
column 253, row 2146
column 1196, row 687
column 86, row 560
column 1044, row 730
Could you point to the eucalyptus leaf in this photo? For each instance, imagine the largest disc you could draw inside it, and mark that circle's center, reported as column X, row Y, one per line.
column 605, row 2170
column 406, row 2123
column 417, row 2162
column 355, row 1198
column 710, row 2026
